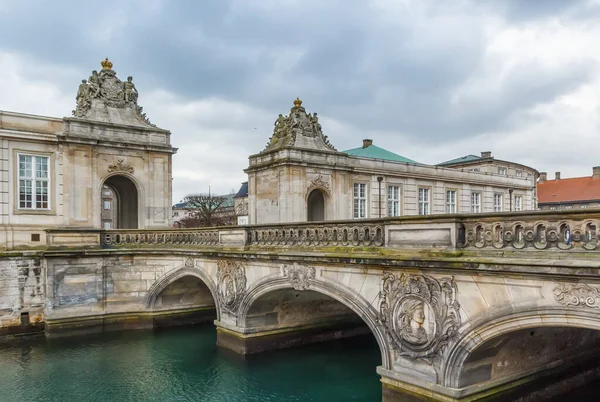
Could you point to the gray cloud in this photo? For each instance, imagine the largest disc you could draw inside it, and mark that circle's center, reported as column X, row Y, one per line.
column 416, row 73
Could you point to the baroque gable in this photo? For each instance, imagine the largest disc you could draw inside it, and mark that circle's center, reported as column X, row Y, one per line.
column 104, row 97
column 299, row 129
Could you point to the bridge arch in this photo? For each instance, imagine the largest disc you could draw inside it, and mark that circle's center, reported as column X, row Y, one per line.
column 176, row 275
column 345, row 296
column 477, row 334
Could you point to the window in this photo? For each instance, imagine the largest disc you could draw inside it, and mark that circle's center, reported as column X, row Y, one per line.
column 473, row 170
column 498, row 202
column 450, row 201
column 502, row 171
column 519, row 173
column 475, row 202
column 106, row 225
column 568, row 206
column 106, row 204
column 584, row 206
column 175, row 213
column 518, row 203
column 33, row 182
column 423, row 201
column 393, row 200
column 552, row 208
column 360, row 200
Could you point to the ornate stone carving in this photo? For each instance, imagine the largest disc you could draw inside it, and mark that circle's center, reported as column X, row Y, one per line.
column 299, row 275
column 420, row 313
column 231, row 283
column 299, row 123
column 318, row 182
column 189, row 262
column 577, row 295
column 198, row 237
column 120, row 166
column 105, row 88
column 328, row 234
column 529, row 232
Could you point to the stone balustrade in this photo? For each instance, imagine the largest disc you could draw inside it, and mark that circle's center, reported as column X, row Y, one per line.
column 537, row 230
column 531, row 231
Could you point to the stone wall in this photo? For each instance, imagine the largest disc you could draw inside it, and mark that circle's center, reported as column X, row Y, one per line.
column 22, row 294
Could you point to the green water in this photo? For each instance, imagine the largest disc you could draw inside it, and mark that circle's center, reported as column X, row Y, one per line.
column 185, row 365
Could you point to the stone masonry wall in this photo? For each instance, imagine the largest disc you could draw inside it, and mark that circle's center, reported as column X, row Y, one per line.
column 22, row 292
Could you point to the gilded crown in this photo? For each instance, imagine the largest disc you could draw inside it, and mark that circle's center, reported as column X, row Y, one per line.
column 298, row 102
column 106, row 64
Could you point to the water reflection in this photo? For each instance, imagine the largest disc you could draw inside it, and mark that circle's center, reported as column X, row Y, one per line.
column 185, row 365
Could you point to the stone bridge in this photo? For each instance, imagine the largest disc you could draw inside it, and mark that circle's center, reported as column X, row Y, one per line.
column 502, row 306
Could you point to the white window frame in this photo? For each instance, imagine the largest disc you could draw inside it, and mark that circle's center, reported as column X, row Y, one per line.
column 105, row 203
column 498, row 206
column 33, row 180
column 476, row 202
column 424, row 200
column 451, row 204
column 502, row 170
column 394, row 197
column 359, row 202
column 518, row 173
column 518, row 207
column 106, row 225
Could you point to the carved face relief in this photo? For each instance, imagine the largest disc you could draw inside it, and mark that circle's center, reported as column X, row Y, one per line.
column 231, row 284
column 416, row 321
column 420, row 313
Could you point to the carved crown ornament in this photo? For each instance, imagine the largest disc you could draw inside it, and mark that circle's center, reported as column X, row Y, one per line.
column 231, row 284
column 579, row 294
column 105, row 89
column 121, row 166
column 420, row 314
column 299, row 275
column 289, row 130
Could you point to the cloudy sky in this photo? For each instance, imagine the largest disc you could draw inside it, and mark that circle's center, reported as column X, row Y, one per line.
column 430, row 80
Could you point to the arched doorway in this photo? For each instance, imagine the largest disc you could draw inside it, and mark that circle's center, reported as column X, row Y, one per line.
column 119, row 209
column 316, row 206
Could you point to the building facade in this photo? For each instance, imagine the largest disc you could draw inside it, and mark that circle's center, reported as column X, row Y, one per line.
column 300, row 176
column 106, row 167
column 569, row 193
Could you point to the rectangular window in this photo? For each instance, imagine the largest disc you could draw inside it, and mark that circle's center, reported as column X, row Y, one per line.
column 584, row 206
column 106, row 204
column 360, row 200
column 175, row 213
column 519, row 173
column 450, row 201
column 424, row 201
column 502, row 171
column 518, row 203
column 553, row 208
column 568, row 207
column 393, row 200
column 106, row 225
column 33, row 182
column 475, row 203
column 498, row 202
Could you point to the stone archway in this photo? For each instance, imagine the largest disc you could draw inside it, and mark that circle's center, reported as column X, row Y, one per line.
column 184, row 296
column 256, row 300
column 315, row 206
column 525, row 344
column 119, row 203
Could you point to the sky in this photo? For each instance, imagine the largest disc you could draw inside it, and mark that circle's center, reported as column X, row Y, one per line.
column 427, row 79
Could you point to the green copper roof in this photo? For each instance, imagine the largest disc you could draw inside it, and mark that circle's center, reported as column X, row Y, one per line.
column 464, row 159
column 375, row 152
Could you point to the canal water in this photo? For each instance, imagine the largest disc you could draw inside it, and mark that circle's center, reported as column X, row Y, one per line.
column 183, row 364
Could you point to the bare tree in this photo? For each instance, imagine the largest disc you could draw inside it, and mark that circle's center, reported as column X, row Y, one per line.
column 208, row 210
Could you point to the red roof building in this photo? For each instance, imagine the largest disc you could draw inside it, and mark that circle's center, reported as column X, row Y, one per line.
column 576, row 192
